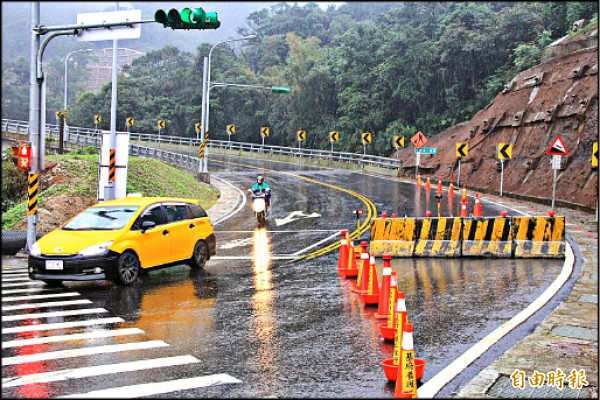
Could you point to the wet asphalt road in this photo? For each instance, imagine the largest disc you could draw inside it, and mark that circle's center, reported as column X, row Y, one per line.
column 291, row 329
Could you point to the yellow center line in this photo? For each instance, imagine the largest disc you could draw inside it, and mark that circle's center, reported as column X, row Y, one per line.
column 362, row 228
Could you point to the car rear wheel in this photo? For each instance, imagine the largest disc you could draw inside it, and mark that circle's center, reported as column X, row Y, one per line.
column 127, row 269
column 200, row 255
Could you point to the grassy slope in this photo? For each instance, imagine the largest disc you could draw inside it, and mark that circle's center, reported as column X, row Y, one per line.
column 75, row 176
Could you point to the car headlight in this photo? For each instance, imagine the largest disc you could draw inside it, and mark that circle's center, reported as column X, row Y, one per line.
column 96, row 250
column 35, row 250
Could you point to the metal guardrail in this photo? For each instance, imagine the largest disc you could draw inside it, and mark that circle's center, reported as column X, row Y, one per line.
column 92, row 137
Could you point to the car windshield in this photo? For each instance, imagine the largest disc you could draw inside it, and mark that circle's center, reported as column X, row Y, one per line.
column 101, row 218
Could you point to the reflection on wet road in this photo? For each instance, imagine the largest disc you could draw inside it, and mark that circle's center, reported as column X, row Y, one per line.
column 283, row 328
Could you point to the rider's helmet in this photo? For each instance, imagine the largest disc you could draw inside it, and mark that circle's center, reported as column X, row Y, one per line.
column 259, row 179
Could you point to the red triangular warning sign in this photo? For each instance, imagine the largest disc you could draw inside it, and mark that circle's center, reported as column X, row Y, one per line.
column 558, row 147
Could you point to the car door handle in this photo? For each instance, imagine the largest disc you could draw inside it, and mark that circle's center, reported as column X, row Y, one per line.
column 165, row 232
column 192, row 226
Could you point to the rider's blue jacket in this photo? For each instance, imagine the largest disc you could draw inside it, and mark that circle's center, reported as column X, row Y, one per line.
column 260, row 187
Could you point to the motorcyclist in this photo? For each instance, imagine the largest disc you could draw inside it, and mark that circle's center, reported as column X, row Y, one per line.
column 261, row 187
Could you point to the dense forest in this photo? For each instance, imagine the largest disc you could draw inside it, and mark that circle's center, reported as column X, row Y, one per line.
column 389, row 68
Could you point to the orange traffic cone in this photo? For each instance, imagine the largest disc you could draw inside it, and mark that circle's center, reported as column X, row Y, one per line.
column 362, row 281
column 384, row 294
column 464, row 194
column 352, row 268
column 343, row 258
column 372, row 295
column 463, row 209
column 384, row 214
column 391, row 365
column 406, row 382
column 397, row 307
column 419, row 183
column 477, row 207
column 439, row 190
column 451, row 189
column 428, row 184
column 393, row 215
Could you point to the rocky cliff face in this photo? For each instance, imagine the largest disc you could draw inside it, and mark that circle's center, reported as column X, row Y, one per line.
column 557, row 97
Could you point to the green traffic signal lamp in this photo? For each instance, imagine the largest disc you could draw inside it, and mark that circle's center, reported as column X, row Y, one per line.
column 188, row 18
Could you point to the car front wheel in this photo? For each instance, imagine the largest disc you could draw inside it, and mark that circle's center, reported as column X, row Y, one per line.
column 127, row 269
column 200, row 255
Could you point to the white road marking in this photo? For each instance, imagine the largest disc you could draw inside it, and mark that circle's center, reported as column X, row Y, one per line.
column 16, row 277
column 237, row 243
column 97, row 370
column 75, row 336
column 64, row 313
column 14, row 291
column 85, row 351
column 231, row 214
column 40, row 296
column 295, row 216
column 47, row 304
column 432, row 386
column 317, row 244
column 24, row 283
column 61, row 325
column 149, row 389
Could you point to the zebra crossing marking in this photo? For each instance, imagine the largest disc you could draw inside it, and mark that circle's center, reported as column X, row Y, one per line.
column 86, row 351
column 40, row 296
column 61, row 325
column 66, row 313
column 68, row 338
column 47, row 304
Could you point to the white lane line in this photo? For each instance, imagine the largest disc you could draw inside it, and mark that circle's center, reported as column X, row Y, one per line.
column 65, row 313
column 16, row 277
column 317, row 244
column 232, row 213
column 432, row 386
column 14, row 291
column 149, row 389
column 40, row 296
column 44, row 305
column 74, row 336
column 24, row 283
column 275, row 257
column 97, row 370
column 85, row 351
column 61, row 325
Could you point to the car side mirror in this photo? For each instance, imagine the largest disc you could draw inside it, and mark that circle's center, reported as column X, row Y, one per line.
column 147, row 225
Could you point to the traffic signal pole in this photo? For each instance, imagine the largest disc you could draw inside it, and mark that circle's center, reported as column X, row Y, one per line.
column 34, row 120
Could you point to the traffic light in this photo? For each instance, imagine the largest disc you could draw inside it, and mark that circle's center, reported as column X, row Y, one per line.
column 187, row 18
column 24, row 155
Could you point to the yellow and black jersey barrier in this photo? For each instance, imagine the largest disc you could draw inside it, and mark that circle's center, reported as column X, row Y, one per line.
column 493, row 237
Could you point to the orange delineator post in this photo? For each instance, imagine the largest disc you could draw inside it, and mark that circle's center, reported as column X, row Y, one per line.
column 419, row 183
column 451, row 189
column 387, row 328
column 363, row 269
column 372, row 295
column 428, row 184
column 406, row 382
column 477, row 207
column 384, row 294
column 343, row 257
column 439, row 190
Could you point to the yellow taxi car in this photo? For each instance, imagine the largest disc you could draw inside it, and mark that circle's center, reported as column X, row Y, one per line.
column 116, row 239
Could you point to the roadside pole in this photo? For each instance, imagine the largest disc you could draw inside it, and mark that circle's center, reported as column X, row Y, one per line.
column 34, row 133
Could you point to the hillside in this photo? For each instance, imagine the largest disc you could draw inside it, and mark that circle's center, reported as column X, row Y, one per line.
column 69, row 183
column 557, row 97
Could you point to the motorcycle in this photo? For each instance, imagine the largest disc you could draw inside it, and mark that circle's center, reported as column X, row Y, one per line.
column 259, row 206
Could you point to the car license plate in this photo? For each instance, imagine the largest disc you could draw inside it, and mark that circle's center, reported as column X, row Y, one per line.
column 54, row 264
